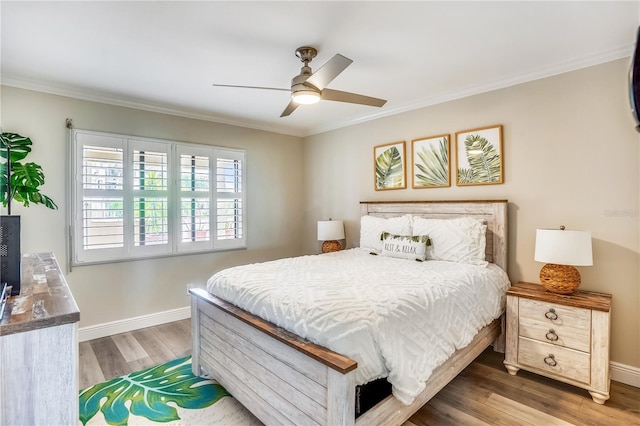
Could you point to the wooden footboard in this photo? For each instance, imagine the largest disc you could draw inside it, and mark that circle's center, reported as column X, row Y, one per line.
column 280, row 377
column 285, row 380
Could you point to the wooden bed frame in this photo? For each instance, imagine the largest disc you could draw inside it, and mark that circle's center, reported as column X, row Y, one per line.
column 284, row 379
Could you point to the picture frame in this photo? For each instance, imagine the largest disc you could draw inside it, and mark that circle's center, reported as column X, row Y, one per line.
column 431, row 162
column 389, row 166
column 480, row 156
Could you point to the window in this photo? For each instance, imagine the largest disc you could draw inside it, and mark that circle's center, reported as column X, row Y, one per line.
column 136, row 198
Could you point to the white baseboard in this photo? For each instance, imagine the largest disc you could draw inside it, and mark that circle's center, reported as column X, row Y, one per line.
column 129, row 324
column 625, row 374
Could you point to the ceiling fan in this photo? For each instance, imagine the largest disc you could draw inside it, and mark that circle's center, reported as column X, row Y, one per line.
column 309, row 87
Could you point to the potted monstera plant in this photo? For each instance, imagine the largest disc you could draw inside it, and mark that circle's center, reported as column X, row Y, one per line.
column 19, row 181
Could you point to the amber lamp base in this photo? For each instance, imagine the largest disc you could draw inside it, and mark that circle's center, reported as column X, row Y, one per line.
column 330, row 246
column 561, row 279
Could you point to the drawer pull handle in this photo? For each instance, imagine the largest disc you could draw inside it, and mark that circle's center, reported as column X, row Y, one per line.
column 550, row 361
column 551, row 314
column 551, row 335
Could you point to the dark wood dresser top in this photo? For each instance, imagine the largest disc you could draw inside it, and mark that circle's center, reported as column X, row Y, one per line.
column 45, row 299
column 580, row 299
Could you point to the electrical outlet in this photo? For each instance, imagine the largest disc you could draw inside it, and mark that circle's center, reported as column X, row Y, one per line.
column 189, row 287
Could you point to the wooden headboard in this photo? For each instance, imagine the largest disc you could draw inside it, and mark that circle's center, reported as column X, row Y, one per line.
column 491, row 212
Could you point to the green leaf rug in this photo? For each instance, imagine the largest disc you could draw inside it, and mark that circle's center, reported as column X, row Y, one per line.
column 168, row 393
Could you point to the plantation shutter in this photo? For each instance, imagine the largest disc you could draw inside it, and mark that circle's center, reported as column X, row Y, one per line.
column 195, row 191
column 230, row 199
column 99, row 208
column 149, row 197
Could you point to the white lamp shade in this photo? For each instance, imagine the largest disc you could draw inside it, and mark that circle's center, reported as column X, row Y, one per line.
column 564, row 247
column 329, row 230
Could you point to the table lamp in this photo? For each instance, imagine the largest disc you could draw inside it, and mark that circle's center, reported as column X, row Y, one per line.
column 562, row 249
column 329, row 231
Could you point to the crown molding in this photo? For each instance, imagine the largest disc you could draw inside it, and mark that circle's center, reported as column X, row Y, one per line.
column 129, row 102
column 95, row 96
column 561, row 68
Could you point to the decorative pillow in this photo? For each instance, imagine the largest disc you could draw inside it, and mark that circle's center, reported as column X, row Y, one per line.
column 461, row 240
column 372, row 227
column 405, row 247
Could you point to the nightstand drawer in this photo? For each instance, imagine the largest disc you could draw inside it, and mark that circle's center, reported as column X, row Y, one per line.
column 555, row 360
column 557, row 315
column 556, row 334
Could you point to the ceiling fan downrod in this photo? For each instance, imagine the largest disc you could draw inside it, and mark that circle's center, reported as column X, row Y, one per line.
column 306, row 55
column 302, row 92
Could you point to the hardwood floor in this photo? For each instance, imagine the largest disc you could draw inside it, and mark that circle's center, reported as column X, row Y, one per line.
column 109, row 357
column 483, row 394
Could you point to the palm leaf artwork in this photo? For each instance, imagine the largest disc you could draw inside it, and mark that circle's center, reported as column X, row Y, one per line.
column 466, row 176
column 148, row 392
column 484, row 161
column 26, row 178
column 389, row 169
column 433, row 164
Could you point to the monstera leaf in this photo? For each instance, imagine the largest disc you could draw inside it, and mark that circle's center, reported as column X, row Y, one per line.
column 433, row 165
column 389, row 169
column 19, row 146
column 26, row 178
column 148, row 392
column 484, row 161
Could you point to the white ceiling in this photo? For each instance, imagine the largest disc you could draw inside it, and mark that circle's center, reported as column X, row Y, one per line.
column 164, row 56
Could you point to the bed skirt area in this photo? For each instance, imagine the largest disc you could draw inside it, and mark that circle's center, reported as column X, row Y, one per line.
column 283, row 379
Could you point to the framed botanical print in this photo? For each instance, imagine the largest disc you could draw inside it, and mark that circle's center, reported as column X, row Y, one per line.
column 430, row 163
column 479, row 156
column 389, row 166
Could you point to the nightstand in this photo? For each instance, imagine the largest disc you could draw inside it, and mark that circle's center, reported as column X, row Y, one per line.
column 564, row 337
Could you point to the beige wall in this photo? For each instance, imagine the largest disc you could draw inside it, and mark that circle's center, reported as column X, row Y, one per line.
column 124, row 290
column 571, row 157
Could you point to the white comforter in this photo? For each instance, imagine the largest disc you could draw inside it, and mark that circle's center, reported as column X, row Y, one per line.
column 397, row 318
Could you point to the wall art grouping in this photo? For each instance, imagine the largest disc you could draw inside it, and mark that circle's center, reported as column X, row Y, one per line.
column 479, row 160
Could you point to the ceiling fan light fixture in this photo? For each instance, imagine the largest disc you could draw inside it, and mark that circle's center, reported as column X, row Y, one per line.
column 305, row 97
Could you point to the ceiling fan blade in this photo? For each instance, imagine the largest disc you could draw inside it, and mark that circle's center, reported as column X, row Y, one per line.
column 353, row 98
column 326, row 73
column 289, row 109
column 251, row 87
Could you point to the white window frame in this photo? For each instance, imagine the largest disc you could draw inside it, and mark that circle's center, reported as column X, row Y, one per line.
column 175, row 246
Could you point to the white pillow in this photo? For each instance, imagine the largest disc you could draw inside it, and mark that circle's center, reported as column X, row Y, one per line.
column 371, row 228
column 405, row 247
column 461, row 240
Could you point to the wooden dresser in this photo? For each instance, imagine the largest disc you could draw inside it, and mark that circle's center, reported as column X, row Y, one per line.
column 564, row 337
column 39, row 348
